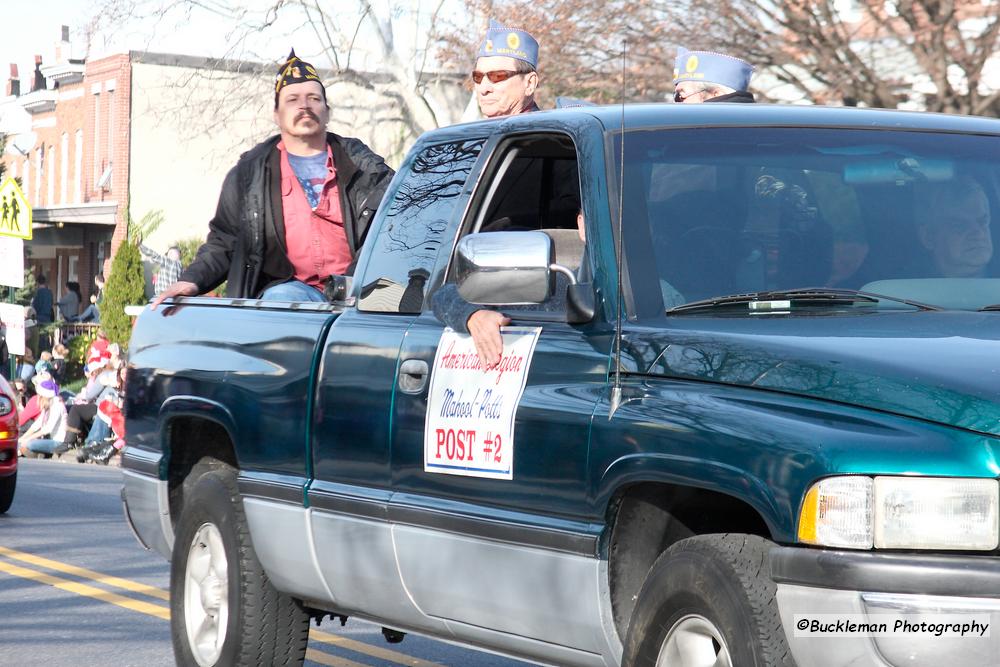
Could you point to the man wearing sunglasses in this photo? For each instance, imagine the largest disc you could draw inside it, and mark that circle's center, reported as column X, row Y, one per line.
column 505, row 80
column 706, row 76
column 505, row 76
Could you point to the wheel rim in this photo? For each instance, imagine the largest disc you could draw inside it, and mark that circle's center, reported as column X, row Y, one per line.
column 206, row 595
column 694, row 641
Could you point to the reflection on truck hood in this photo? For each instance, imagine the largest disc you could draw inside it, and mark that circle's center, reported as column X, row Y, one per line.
column 939, row 366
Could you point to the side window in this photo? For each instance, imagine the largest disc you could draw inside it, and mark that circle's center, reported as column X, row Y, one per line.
column 415, row 228
column 534, row 185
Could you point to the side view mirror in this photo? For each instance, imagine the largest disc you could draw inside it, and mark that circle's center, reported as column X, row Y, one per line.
column 505, row 268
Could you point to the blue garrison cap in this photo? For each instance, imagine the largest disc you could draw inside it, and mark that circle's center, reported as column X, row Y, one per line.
column 711, row 67
column 511, row 42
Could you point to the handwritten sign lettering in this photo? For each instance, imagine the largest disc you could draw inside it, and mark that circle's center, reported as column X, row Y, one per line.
column 469, row 428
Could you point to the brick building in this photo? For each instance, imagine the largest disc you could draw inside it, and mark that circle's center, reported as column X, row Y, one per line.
column 88, row 154
column 48, row 149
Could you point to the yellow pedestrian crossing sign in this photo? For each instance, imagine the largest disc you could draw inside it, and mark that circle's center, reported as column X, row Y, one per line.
column 15, row 214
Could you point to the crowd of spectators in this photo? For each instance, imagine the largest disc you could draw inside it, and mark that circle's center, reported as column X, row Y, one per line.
column 52, row 420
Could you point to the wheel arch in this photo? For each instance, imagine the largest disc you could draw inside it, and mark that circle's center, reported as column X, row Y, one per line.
column 647, row 514
column 193, row 429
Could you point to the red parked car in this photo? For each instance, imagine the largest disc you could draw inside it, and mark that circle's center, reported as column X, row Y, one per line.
column 8, row 445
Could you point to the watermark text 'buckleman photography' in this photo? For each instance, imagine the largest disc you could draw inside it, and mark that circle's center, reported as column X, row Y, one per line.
column 887, row 625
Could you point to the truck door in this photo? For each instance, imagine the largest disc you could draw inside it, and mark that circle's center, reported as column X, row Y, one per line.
column 351, row 427
column 485, row 525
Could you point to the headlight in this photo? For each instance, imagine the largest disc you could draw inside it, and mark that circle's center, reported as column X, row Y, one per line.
column 935, row 513
column 6, row 406
column 902, row 513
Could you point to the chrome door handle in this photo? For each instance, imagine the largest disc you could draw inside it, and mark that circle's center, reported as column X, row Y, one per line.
column 412, row 376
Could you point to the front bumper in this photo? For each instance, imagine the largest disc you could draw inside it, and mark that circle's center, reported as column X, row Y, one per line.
column 875, row 587
column 146, row 500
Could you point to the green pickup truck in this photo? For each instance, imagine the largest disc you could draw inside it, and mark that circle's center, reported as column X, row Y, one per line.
column 748, row 409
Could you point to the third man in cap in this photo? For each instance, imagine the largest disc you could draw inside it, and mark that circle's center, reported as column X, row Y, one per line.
column 706, row 76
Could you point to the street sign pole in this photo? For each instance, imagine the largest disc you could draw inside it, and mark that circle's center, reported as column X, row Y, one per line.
column 11, row 360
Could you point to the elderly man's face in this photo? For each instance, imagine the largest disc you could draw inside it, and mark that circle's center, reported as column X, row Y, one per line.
column 506, row 97
column 302, row 110
column 690, row 92
column 958, row 237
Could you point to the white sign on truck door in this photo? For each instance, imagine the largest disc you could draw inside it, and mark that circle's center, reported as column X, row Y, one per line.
column 469, row 428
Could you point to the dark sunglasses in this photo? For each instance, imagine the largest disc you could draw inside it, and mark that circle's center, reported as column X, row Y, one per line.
column 496, row 76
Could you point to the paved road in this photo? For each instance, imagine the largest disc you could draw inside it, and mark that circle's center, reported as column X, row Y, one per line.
column 76, row 589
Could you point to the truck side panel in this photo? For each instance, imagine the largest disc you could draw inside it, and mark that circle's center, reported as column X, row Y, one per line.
column 227, row 379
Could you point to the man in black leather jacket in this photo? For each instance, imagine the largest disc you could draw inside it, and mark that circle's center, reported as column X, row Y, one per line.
column 262, row 236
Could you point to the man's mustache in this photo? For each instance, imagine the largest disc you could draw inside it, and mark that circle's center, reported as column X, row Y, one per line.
column 306, row 114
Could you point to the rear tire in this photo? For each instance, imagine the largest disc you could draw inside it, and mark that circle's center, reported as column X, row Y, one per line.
column 7, row 486
column 223, row 608
column 708, row 600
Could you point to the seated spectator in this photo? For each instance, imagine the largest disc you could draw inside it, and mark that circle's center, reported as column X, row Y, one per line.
column 114, row 356
column 44, row 364
column 20, row 393
column 32, row 335
column 91, row 314
column 106, row 436
column 98, row 352
column 45, row 436
column 27, row 402
column 69, row 304
column 59, row 354
column 81, row 413
column 26, row 365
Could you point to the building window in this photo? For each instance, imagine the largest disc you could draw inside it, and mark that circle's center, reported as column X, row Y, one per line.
column 64, row 169
column 78, row 168
column 39, row 174
column 97, row 138
column 50, row 183
column 111, row 132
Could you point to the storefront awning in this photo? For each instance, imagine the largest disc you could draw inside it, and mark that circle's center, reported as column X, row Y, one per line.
column 100, row 213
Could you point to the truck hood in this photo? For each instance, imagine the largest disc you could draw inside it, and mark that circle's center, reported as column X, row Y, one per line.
column 937, row 366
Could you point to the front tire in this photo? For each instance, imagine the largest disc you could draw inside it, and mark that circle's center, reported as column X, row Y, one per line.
column 223, row 608
column 708, row 601
column 7, row 486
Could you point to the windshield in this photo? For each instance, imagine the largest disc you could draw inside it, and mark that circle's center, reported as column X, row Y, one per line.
column 742, row 210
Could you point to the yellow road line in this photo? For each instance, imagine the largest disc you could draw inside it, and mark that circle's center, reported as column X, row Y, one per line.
column 86, row 590
column 164, row 612
column 332, row 660
column 65, row 568
column 374, row 651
